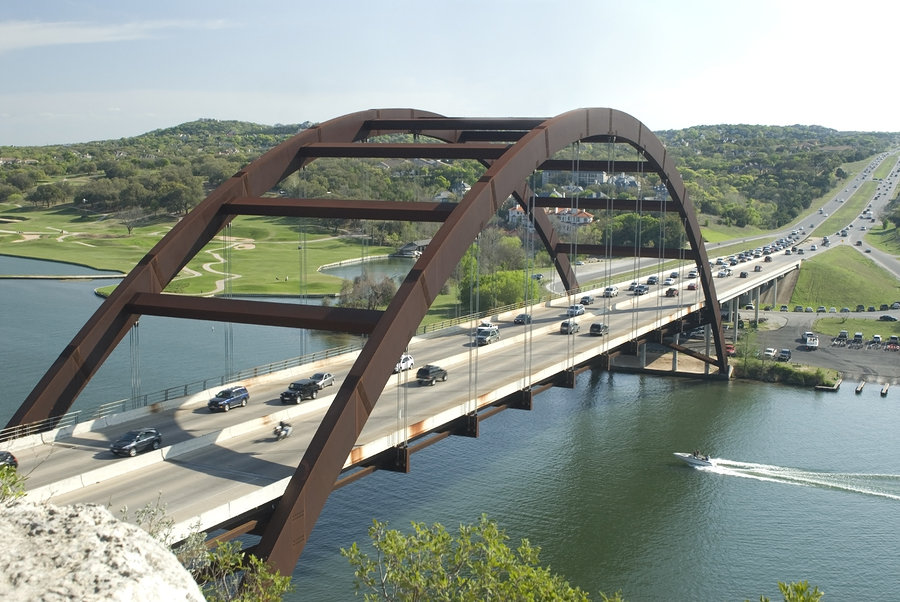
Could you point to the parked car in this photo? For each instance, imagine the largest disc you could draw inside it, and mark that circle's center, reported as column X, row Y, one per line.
column 769, row 353
column 323, row 379
column 821, row 309
column 611, row 291
column 229, row 398
column 884, row 307
column 860, row 307
column 783, row 308
column 798, row 308
column 845, row 310
column 7, row 459
column 134, row 442
column 429, row 374
column 784, row 355
column 569, row 327
column 406, row 362
column 888, row 318
column 575, row 310
column 299, row 390
column 587, row 300
column 730, row 350
column 537, row 276
column 599, row 329
column 522, row 319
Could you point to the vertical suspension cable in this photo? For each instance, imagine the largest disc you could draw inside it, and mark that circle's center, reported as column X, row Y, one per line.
column 135, row 342
column 302, row 288
column 229, row 327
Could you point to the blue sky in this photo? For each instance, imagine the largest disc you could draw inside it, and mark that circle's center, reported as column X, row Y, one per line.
column 82, row 70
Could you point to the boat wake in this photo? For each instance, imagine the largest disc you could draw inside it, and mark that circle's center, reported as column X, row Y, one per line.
column 880, row 485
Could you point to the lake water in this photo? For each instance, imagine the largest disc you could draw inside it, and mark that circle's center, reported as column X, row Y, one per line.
column 807, row 485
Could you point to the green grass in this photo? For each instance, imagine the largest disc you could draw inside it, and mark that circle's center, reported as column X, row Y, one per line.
column 887, row 239
column 843, row 277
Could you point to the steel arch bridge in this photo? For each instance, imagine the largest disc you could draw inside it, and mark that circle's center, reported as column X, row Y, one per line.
column 511, row 150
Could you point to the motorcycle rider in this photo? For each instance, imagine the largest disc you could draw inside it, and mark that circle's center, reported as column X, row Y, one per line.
column 284, row 429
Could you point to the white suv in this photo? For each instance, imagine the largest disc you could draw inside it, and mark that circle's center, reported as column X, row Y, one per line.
column 406, row 362
column 611, row 291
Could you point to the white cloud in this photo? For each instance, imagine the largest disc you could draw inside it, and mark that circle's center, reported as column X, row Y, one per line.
column 20, row 35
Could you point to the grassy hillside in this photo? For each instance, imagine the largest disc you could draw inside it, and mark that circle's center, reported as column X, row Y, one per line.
column 843, row 277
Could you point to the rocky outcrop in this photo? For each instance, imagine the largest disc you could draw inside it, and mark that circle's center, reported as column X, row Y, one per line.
column 82, row 552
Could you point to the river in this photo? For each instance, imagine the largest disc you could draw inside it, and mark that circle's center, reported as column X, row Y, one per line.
column 806, row 485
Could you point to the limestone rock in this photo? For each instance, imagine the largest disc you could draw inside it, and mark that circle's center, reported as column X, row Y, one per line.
column 82, row 552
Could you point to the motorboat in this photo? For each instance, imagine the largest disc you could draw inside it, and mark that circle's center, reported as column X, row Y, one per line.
column 695, row 458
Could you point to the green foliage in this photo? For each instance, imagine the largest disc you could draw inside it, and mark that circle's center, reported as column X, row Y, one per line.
column 364, row 293
column 797, row 592
column 431, row 564
column 12, row 484
column 232, row 575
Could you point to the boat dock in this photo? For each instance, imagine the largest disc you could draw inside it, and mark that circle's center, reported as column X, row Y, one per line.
column 860, row 386
column 884, row 389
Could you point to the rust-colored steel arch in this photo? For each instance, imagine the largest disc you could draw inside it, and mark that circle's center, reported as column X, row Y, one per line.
column 511, row 149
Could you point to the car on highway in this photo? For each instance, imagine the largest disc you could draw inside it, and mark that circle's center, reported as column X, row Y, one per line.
column 692, row 286
column 134, row 442
column 743, row 274
column 569, row 327
column 653, row 280
column 522, row 319
column 668, row 282
column 228, row 398
column 672, row 292
column 299, row 390
column 641, row 289
column 323, row 379
column 587, row 300
column 8, row 459
column 611, row 291
column 598, row 329
column 430, row 374
column 406, row 362
column 575, row 310
column 485, row 335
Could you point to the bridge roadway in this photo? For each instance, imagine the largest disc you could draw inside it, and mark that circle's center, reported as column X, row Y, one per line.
column 213, row 467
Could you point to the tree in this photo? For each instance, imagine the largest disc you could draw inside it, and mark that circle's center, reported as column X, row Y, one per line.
column 432, row 564
column 797, row 592
column 12, row 484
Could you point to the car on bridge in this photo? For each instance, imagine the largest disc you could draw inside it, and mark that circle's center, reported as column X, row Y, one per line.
column 429, row 374
column 641, row 289
column 323, row 379
column 299, row 390
column 406, row 362
column 611, row 291
column 229, row 398
column 8, row 459
column 485, row 335
column 692, row 286
column 598, row 329
column 672, row 292
column 587, row 300
column 522, row 319
column 575, row 310
column 134, row 442
column 569, row 327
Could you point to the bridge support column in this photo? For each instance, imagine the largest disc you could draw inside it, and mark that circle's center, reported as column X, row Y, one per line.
column 675, row 355
column 524, row 401
column 642, row 355
column 466, row 426
column 567, row 379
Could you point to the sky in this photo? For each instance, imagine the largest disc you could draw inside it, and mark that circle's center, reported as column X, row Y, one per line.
column 85, row 70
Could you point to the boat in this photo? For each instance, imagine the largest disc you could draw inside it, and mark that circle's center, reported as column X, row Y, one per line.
column 695, row 459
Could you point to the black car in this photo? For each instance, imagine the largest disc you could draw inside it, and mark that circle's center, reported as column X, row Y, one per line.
column 598, row 329
column 228, row 398
column 299, row 390
column 7, row 459
column 134, row 442
column 887, row 318
column 522, row 319
column 428, row 375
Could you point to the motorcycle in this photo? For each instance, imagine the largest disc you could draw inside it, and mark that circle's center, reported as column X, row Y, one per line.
column 282, row 432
